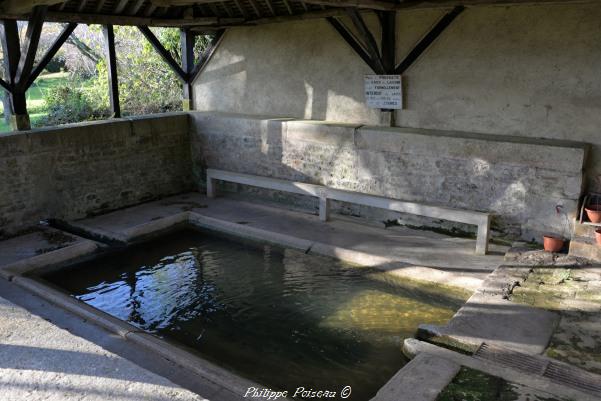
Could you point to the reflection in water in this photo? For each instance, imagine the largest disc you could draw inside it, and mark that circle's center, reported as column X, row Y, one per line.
column 279, row 317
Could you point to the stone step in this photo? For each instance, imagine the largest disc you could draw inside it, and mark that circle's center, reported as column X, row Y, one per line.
column 584, row 230
column 585, row 247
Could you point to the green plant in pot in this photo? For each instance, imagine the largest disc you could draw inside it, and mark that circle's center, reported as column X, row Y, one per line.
column 554, row 242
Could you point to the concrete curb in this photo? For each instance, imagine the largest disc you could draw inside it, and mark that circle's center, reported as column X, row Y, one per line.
column 198, row 365
column 243, row 231
column 154, row 226
column 201, row 367
column 413, row 347
column 75, row 306
column 61, row 255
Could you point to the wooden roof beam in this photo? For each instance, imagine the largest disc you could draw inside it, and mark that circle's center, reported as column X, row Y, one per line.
column 107, row 19
column 369, row 4
column 25, row 6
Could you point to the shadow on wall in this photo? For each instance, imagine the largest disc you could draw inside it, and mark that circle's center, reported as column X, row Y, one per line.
column 271, row 71
column 520, row 181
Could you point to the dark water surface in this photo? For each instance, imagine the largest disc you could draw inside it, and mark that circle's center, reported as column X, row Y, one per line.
column 277, row 316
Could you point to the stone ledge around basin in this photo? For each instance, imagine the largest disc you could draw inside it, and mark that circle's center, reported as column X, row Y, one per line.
column 227, row 381
column 41, row 248
column 149, row 220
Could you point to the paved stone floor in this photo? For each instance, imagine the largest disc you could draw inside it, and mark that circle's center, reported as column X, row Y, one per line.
column 574, row 293
column 40, row 361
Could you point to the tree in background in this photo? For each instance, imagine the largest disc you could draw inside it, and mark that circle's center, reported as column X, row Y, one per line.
column 146, row 83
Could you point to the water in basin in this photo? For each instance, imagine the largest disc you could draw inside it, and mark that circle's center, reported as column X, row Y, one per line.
column 277, row 316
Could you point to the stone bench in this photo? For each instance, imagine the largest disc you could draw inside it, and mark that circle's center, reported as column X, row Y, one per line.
column 325, row 194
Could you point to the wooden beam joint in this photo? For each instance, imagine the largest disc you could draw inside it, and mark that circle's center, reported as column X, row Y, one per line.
column 427, row 40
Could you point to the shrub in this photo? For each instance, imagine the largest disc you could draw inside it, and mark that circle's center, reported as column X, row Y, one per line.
column 68, row 105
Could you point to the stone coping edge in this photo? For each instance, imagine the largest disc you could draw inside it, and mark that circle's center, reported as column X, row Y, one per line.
column 199, row 366
column 152, row 228
column 413, row 347
column 69, row 252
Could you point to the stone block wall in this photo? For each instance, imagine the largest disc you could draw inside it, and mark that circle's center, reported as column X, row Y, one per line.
column 520, row 180
column 73, row 171
column 529, row 70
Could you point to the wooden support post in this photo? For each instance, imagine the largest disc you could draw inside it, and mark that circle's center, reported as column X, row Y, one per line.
column 19, row 119
column 187, row 52
column 483, row 237
column 211, row 187
column 111, row 63
column 324, row 205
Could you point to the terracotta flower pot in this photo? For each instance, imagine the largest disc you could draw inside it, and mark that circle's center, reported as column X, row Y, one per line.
column 594, row 213
column 553, row 243
column 598, row 236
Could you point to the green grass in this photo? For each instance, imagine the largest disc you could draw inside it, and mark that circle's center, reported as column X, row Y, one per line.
column 35, row 97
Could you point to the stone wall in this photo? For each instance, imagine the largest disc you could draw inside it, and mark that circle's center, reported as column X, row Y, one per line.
column 520, row 70
column 76, row 170
column 519, row 180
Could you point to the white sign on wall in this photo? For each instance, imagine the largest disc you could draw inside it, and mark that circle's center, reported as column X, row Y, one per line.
column 383, row 91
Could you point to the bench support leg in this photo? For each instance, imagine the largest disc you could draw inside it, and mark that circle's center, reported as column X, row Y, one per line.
column 324, row 208
column 211, row 190
column 482, row 238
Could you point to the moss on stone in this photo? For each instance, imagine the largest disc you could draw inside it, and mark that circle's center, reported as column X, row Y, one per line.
column 576, row 296
column 473, row 385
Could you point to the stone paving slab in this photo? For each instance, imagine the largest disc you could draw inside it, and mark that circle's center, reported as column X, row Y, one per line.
column 489, row 317
column 422, row 379
column 42, row 247
column 34, row 243
column 40, row 361
column 402, row 251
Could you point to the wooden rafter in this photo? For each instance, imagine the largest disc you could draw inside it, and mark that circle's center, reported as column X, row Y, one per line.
column 350, row 38
column 30, row 46
column 121, row 4
column 207, row 54
column 109, row 19
column 368, row 4
column 164, row 53
column 5, row 85
column 99, row 7
column 288, row 7
column 25, row 6
column 368, row 39
column 81, row 6
column 427, row 40
column 149, row 10
column 51, row 52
